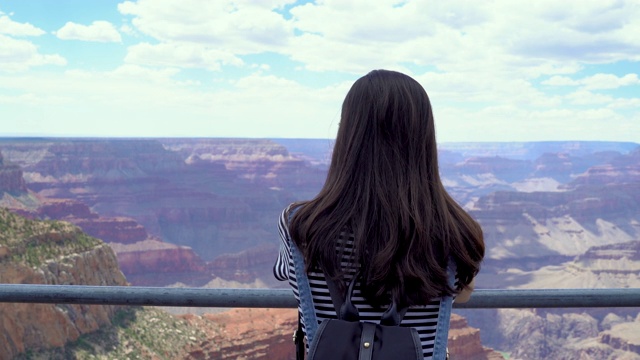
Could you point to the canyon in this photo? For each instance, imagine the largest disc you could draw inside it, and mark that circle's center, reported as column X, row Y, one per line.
column 202, row 212
column 58, row 253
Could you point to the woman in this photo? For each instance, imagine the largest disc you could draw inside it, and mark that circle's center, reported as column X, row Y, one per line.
column 384, row 212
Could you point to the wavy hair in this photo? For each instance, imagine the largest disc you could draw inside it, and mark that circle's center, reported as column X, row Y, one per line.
column 384, row 187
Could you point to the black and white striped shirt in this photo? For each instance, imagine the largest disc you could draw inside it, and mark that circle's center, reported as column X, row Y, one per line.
column 423, row 318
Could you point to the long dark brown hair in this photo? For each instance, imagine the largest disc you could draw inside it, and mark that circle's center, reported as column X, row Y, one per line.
column 384, row 186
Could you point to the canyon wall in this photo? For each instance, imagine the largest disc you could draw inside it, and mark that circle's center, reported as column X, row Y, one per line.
column 551, row 211
column 33, row 252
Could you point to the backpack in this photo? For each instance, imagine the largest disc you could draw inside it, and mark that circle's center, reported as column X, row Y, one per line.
column 348, row 338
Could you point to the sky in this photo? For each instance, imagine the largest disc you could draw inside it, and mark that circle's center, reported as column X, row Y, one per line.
column 495, row 70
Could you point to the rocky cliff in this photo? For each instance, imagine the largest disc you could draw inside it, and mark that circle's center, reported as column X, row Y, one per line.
column 266, row 334
column 111, row 229
column 621, row 169
column 141, row 260
column 140, row 256
column 607, row 266
column 542, row 205
column 623, row 337
column 36, row 252
column 214, row 195
column 531, row 334
column 247, row 265
column 245, row 334
column 13, row 188
column 11, row 180
column 58, row 253
column 82, row 160
column 567, row 333
column 152, row 262
column 464, row 342
column 558, row 223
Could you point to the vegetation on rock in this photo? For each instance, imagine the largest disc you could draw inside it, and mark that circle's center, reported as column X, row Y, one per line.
column 33, row 242
column 135, row 333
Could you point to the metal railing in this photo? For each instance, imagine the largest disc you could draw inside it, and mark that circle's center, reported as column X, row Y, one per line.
column 283, row 298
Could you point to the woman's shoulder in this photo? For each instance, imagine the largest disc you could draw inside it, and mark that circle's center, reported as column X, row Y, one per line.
column 291, row 209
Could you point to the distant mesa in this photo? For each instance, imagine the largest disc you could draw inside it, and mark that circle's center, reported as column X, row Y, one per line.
column 11, row 180
column 621, row 169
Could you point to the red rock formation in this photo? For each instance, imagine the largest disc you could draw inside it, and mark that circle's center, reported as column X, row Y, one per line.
column 267, row 334
column 620, row 170
column 246, row 334
column 464, row 342
column 140, row 257
column 65, row 209
column 247, row 265
column 143, row 261
column 111, row 229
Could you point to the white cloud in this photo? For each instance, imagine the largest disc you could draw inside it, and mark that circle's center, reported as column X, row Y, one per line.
column 588, row 31
column 126, row 29
column 241, row 27
column 99, row 31
column 484, row 88
column 136, row 101
column 595, row 82
column 585, row 97
column 181, row 55
column 359, row 22
column 19, row 55
column 479, row 62
column 537, row 37
column 626, row 103
column 504, row 38
column 609, row 81
column 9, row 27
column 264, row 67
column 561, row 81
column 513, row 123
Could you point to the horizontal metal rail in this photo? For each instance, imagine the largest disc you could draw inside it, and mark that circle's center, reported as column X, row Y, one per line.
column 283, row 298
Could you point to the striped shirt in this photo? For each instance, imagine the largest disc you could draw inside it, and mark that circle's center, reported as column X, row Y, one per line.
column 423, row 318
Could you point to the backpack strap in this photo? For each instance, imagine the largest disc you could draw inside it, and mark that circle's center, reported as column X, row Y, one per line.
column 394, row 315
column 298, row 339
column 335, row 294
column 345, row 310
column 307, row 310
column 444, row 314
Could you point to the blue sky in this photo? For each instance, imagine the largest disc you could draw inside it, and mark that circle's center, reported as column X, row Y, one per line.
column 497, row 70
